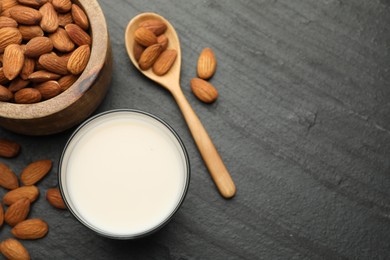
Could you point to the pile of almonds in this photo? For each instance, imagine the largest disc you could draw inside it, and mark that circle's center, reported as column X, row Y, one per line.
column 151, row 47
column 44, row 47
column 19, row 200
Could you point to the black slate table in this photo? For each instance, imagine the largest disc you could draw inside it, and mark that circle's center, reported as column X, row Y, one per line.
column 302, row 123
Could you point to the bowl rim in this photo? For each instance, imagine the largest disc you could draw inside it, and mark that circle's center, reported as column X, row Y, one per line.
column 100, row 44
column 176, row 208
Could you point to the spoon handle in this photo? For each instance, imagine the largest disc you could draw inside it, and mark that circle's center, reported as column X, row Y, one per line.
column 209, row 153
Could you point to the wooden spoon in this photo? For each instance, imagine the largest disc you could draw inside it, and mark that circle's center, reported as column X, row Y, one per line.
column 171, row 81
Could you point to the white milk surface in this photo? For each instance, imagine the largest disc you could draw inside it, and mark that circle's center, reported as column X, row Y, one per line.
column 125, row 173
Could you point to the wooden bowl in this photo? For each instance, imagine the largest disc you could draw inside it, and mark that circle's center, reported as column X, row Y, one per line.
column 76, row 103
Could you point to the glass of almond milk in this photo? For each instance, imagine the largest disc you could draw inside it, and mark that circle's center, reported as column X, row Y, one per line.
column 124, row 173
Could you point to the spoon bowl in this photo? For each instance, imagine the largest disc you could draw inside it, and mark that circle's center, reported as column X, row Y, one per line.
column 171, row 82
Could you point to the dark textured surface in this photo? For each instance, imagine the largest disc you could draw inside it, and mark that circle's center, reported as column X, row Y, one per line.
column 302, row 123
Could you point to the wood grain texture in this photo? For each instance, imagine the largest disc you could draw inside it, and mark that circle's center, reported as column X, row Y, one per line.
column 302, row 123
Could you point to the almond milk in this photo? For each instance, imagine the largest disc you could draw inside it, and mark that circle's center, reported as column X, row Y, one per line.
column 124, row 174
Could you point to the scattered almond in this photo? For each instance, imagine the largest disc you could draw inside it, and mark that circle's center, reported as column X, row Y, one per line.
column 207, row 64
column 17, row 212
column 27, row 96
column 79, row 59
column 9, row 149
column 203, row 90
column 54, row 197
column 13, row 249
column 8, row 178
column 164, row 62
column 35, row 171
column 30, row 192
column 30, row 229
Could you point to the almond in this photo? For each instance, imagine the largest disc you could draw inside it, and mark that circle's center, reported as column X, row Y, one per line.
column 7, row 4
column 30, row 229
column 79, row 59
column 42, row 76
column 33, row 3
column 49, row 89
column 156, row 26
column 203, row 90
column 29, row 192
column 9, row 149
column 13, row 61
column 7, row 22
column 17, row 212
column 13, row 249
column 149, row 56
column 138, row 49
column 207, row 64
column 38, row 46
column 66, row 81
column 79, row 17
column 164, row 62
column 64, row 19
column 61, row 40
column 8, row 178
column 54, row 197
column 52, row 62
column 3, row 79
column 27, row 96
column 9, row 36
column 28, row 68
column 29, row 32
column 62, row 6
column 78, row 35
column 35, row 171
column 17, row 84
column 49, row 22
column 163, row 40
column 145, row 37
column 5, row 95
column 25, row 15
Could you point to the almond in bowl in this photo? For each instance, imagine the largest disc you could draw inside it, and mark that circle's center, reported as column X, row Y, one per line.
column 56, row 64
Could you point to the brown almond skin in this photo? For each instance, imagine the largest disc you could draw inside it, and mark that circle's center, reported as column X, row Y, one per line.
column 62, row 6
column 145, row 37
column 33, row 3
column 64, row 19
column 52, row 62
column 163, row 40
column 8, row 179
column 42, row 76
column 7, row 4
column 49, row 89
column 30, row 229
column 53, row 196
column 29, row 192
column 27, row 96
column 1, row 215
column 3, row 79
column 17, row 212
column 28, row 68
column 7, row 22
column 164, row 62
column 149, row 56
column 156, row 26
column 79, row 59
column 49, row 22
column 79, row 17
column 13, row 61
column 17, row 84
column 35, row 171
column 13, row 249
column 30, row 31
column 203, row 90
column 9, row 35
column 207, row 64
column 25, row 15
column 38, row 46
column 138, row 49
column 9, row 149
column 78, row 35
column 61, row 40
column 5, row 94
column 66, row 81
